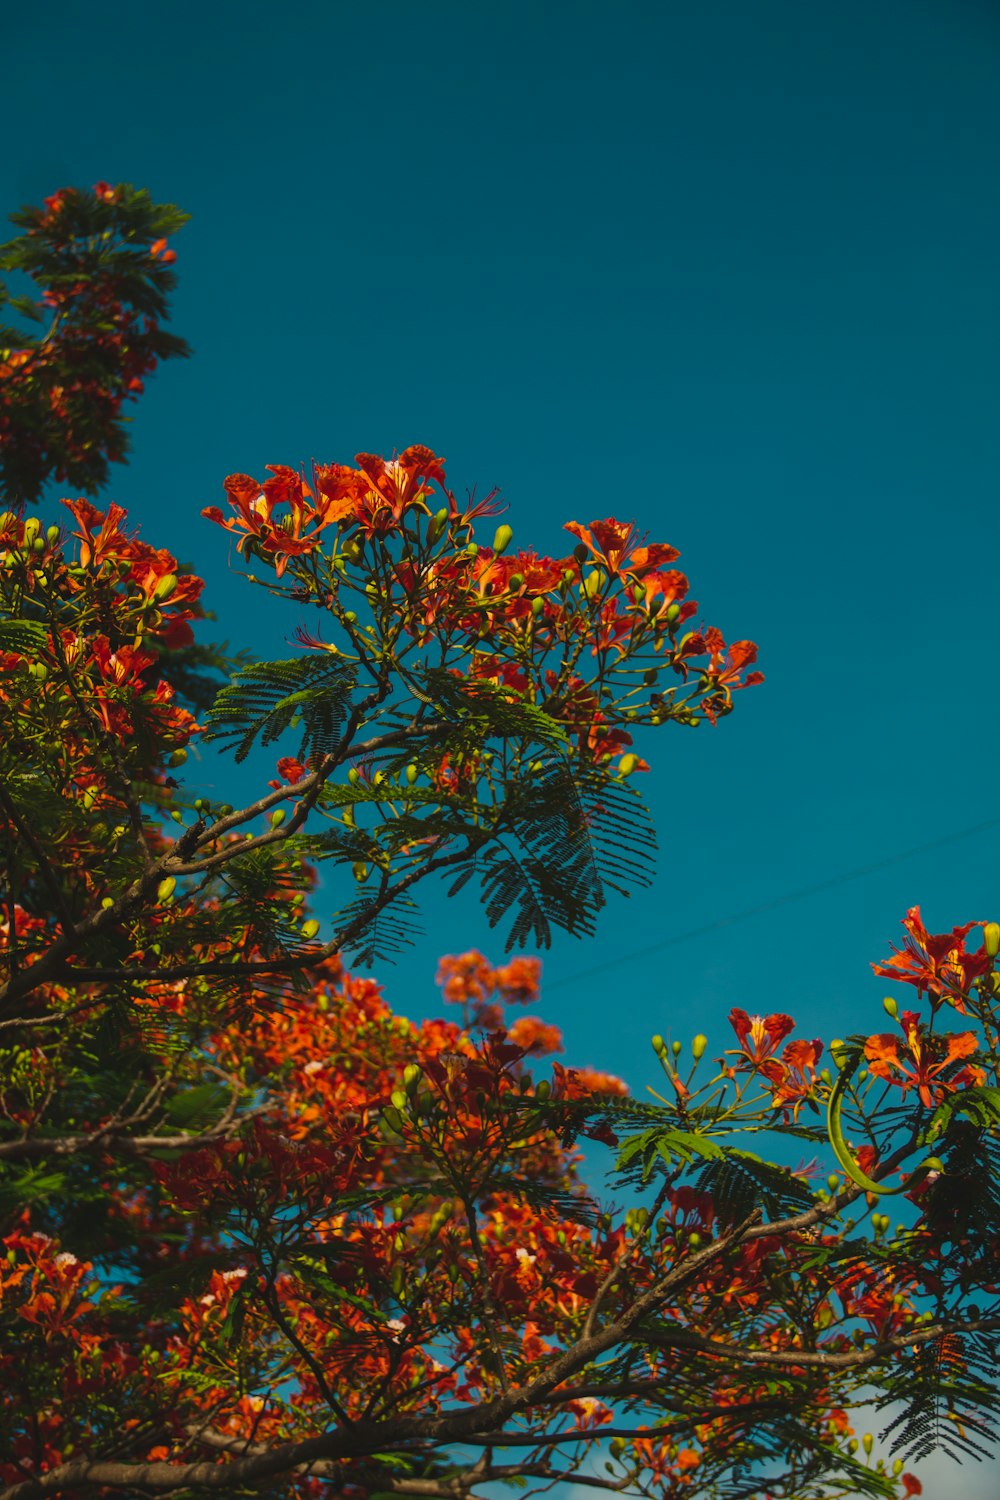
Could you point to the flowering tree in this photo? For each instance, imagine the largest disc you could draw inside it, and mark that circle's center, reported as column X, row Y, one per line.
column 264, row 1236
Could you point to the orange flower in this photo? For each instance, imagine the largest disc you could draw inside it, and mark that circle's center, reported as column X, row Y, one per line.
column 924, row 1061
column 759, row 1036
column 937, row 963
column 535, row 1036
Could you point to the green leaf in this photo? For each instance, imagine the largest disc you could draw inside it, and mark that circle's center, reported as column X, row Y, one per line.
column 265, row 699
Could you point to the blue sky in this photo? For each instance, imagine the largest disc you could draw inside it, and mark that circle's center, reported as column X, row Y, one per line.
column 729, row 269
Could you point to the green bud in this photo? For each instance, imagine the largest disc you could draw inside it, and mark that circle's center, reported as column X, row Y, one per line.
column 437, row 525
column 542, row 1089
column 502, row 539
column 52, row 535
column 166, row 586
column 350, row 617
column 991, row 938
column 360, row 871
column 868, row 1442
column 890, row 1007
column 32, row 528
column 694, row 1239
column 309, row 929
column 833, row 1182
column 177, row 758
column 581, row 552
column 277, row 817
column 676, row 1049
column 698, row 1047
column 107, row 903
column 659, row 1045
column 166, row 889
column 412, row 1075
column 515, row 581
column 592, row 583
column 399, row 1100
column 627, row 764
column 354, row 776
column 537, row 606
column 673, row 613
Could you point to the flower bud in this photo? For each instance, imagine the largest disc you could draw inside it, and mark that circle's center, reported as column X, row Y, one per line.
column 412, row 1075
column 502, row 539
column 166, row 889
column 537, row 605
column 309, row 929
column 659, row 1045
column 277, row 817
column 676, row 1049
column 354, row 776
column 360, row 871
column 32, row 527
column 991, row 938
column 437, row 524
column 52, row 536
column 833, row 1182
column 411, row 774
column 542, row 1089
column 698, row 1047
column 627, row 764
column 890, row 1007
column 867, row 1442
column 166, row 586
column 673, row 613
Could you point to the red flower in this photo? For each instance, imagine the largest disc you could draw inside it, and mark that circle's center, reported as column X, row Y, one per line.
column 935, row 962
column 535, row 1036
column 759, row 1037
column 923, row 1060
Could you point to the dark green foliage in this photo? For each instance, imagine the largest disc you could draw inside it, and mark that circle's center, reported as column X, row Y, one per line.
column 948, row 1392
column 740, row 1181
column 382, row 928
column 563, row 835
column 89, row 254
column 311, row 692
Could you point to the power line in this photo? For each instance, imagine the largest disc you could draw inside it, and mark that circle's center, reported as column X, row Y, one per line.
column 756, row 911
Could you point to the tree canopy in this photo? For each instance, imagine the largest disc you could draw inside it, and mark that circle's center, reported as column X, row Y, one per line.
column 264, row 1236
